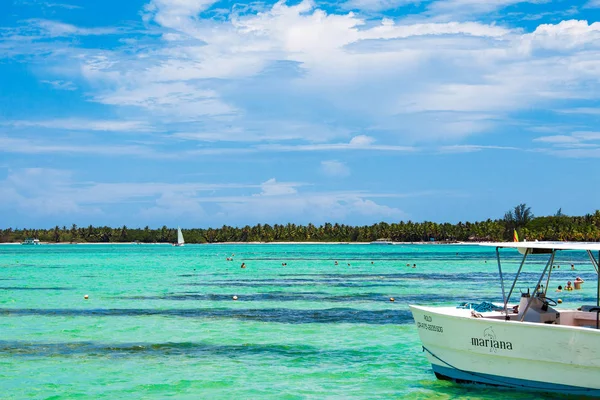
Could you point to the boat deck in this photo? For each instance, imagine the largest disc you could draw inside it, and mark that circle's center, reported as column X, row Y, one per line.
column 567, row 317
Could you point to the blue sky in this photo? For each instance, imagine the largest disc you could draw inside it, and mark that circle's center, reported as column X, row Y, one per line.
column 203, row 113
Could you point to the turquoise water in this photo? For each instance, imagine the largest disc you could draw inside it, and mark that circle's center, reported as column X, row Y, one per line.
column 160, row 321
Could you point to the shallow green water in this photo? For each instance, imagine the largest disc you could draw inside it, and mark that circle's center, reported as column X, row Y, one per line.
column 160, row 321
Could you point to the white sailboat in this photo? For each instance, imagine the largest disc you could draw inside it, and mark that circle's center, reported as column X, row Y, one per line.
column 180, row 241
column 531, row 346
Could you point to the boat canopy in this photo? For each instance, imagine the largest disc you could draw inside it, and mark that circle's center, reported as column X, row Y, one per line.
column 551, row 248
column 546, row 245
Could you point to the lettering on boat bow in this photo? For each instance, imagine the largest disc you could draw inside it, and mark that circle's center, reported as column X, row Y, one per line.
column 429, row 327
column 490, row 341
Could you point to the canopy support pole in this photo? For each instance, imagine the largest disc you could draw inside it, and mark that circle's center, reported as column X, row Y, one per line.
column 515, row 281
column 502, row 284
column 593, row 259
column 596, row 267
column 549, row 263
column 547, row 281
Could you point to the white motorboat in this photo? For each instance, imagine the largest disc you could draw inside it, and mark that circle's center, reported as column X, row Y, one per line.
column 180, row 241
column 529, row 346
column 31, row 241
column 382, row 241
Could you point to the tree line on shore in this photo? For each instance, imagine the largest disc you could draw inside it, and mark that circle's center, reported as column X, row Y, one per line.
column 520, row 218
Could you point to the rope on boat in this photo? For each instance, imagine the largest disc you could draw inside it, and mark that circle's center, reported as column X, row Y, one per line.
column 485, row 306
column 500, row 382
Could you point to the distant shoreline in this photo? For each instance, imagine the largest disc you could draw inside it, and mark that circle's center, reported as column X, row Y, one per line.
column 241, row 243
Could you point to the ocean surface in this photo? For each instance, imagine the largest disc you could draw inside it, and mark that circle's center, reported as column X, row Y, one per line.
column 161, row 322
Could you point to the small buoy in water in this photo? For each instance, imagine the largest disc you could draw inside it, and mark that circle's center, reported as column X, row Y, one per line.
column 86, row 296
column 392, row 299
column 559, row 301
column 235, row 297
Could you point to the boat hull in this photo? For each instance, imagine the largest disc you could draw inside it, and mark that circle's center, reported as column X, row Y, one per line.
column 521, row 355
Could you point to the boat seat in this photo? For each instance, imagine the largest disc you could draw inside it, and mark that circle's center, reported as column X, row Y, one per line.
column 588, row 316
column 593, row 308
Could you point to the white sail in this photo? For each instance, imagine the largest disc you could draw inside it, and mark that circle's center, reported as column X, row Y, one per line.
column 180, row 240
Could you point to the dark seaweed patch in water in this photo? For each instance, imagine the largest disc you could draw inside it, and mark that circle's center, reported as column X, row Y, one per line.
column 323, row 297
column 378, row 256
column 269, row 283
column 279, row 315
column 33, row 288
column 304, row 352
column 394, row 278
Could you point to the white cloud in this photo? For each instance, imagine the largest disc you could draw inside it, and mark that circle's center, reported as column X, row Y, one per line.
column 173, row 206
column 585, row 152
column 565, row 35
column 61, row 85
column 44, row 3
column 586, row 135
column 309, row 207
column 581, row 140
column 470, row 8
column 36, row 146
column 579, row 144
column 50, row 191
column 54, row 192
column 559, row 139
column 274, row 188
column 471, row 148
column 331, row 147
column 51, row 28
column 253, row 131
column 247, row 77
column 84, row 125
column 361, row 140
column 178, row 99
column 580, row 110
column 390, row 30
column 39, row 191
column 376, row 5
column 167, row 80
column 63, row 5
column 176, row 14
column 334, row 168
column 592, row 4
